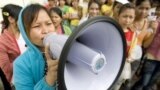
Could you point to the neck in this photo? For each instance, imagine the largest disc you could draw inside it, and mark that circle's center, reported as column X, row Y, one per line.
column 61, row 6
column 57, row 27
column 125, row 29
column 14, row 30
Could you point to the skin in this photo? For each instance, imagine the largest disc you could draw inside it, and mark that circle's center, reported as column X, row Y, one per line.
column 56, row 19
column 143, row 9
column 126, row 18
column 13, row 26
column 39, row 28
column 61, row 3
column 52, row 3
column 94, row 10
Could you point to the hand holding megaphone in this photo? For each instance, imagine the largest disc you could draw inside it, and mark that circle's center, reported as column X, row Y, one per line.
column 52, row 65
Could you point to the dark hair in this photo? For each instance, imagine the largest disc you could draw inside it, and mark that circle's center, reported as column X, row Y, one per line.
column 115, row 3
column 126, row 6
column 139, row 2
column 94, row 1
column 9, row 10
column 56, row 10
column 30, row 13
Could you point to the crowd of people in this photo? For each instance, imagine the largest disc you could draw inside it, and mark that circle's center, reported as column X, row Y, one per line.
column 27, row 65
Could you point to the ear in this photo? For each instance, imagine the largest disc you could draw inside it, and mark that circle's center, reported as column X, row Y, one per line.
column 11, row 19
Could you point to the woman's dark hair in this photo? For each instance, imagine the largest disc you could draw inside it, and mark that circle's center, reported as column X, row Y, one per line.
column 126, row 6
column 9, row 10
column 139, row 2
column 56, row 10
column 115, row 3
column 30, row 13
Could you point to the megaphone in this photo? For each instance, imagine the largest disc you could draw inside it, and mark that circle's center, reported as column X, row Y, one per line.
column 92, row 57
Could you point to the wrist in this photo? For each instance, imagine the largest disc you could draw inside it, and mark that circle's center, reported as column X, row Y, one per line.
column 50, row 80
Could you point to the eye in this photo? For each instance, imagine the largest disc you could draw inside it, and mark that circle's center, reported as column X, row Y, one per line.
column 36, row 26
column 49, row 23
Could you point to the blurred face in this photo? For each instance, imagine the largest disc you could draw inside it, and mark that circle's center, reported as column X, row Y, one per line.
column 143, row 9
column 12, row 22
column 52, row 2
column 75, row 3
column 94, row 10
column 40, row 27
column 56, row 19
column 126, row 17
column 61, row 2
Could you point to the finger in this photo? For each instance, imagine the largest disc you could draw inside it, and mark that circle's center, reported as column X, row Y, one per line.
column 47, row 55
column 53, row 62
column 53, row 68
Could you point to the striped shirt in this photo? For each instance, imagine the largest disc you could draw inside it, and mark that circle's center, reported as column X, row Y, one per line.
column 9, row 50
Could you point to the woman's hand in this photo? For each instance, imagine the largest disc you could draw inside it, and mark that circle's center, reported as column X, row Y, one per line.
column 51, row 75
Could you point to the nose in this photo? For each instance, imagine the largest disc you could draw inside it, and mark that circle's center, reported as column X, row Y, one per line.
column 127, row 20
column 94, row 11
column 44, row 30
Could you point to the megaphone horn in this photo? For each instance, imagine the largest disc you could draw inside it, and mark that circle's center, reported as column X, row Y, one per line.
column 92, row 57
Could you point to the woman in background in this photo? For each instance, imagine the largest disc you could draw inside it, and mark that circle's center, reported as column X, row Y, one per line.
column 11, row 41
column 57, row 18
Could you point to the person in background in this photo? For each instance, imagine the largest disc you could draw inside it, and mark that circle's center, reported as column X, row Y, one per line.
column 51, row 3
column 126, row 16
column 150, row 60
column 107, row 8
column 65, row 9
column 35, row 69
column 116, row 6
column 93, row 11
column 151, row 67
column 11, row 41
column 75, row 14
column 57, row 18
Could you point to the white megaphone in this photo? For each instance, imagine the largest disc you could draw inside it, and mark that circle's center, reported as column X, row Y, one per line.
column 92, row 58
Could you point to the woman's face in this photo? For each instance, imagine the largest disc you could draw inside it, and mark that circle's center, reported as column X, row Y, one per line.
column 94, row 10
column 56, row 19
column 40, row 27
column 61, row 2
column 75, row 3
column 126, row 17
column 13, row 22
column 143, row 9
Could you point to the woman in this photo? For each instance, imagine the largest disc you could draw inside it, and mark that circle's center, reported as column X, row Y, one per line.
column 56, row 16
column 75, row 14
column 35, row 69
column 11, row 41
column 126, row 16
column 93, row 10
column 151, row 64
